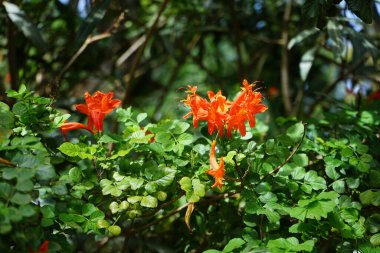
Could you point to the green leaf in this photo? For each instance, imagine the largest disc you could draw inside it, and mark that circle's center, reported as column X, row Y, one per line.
column 306, row 62
column 47, row 212
column 375, row 239
column 24, row 185
column 298, row 173
column 88, row 209
column 70, row 149
column 141, row 116
column 23, row 22
column 107, row 139
column 45, row 172
column 310, row 9
column 114, row 207
column 296, row 131
column 149, row 201
column 91, row 22
column 273, row 216
column 97, row 215
column 27, row 210
column 180, row 127
column 373, row 223
column 316, row 182
column 162, row 176
column 302, row 36
column 338, row 186
column 21, row 199
column 233, row 244
column 370, row 197
column 331, row 172
column 114, row 230
column 362, row 8
column 71, row 217
column 301, row 160
column 194, row 189
column 185, row 139
column 75, row 174
column 7, row 118
column 5, row 190
column 290, row 244
column 136, row 183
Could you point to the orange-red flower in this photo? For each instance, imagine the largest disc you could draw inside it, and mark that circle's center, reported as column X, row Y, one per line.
column 220, row 113
column 198, row 105
column 244, row 108
column 42, row 249
column 217, row 112
column 217, row 171
column 96, row 107
column 68, row 126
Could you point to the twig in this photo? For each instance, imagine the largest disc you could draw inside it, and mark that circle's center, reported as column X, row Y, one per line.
column 287, row 159
column 89, row 40
column 140, row 52
column 332, row 86
column 284, row 59
column 6, row 162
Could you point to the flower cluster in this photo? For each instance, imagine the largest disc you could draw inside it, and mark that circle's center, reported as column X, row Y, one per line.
column 220, row 112
column 96, row 108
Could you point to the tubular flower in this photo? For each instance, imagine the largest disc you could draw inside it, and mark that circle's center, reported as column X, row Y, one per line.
column 42, row 249
column 68, row 126
column 217, row 171
column 244, row 108
column 374, row 95
column 220, row 113
column 217, row 113
column 198, row 105
column 97, row 107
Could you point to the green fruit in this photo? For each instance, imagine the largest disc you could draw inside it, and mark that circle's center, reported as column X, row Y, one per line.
column 114, row 230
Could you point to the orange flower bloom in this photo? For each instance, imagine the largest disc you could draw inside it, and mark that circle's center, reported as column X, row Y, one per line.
column 73, row 126
column 217, row 171
column 220, row 112
column 42, row 249
column 217, row 112
column 198, row 105
column 244, row 108
column 96, row 107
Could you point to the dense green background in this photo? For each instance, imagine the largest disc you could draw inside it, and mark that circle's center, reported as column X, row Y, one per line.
column 290, row 186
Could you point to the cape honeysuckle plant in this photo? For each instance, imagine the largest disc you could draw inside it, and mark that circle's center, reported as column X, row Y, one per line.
column 147, row 186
